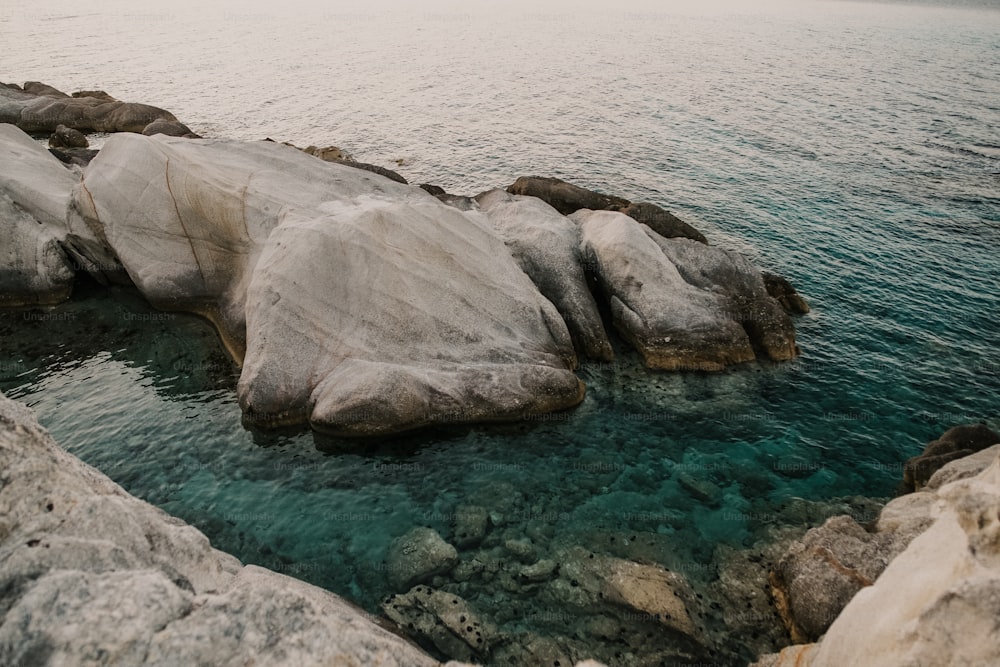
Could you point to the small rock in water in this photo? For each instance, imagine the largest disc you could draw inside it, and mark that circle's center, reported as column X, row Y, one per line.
column 418, row 556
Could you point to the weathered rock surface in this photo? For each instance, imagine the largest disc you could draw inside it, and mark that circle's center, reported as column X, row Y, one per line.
column 955, row 443
column 417, row 556
column 681, row 304
column 365, row 306
column 446, row 620
column 937, row 603
column 782, row 290
column 547, row 246
column 565, row 197
column 965, row 467
column 41, row 108
column 91, row 575
column 171, row 128
column 664, row 223
column 34, row 195
column 67, row 137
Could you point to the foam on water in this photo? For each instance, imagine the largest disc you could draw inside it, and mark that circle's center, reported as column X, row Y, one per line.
column 851, row 147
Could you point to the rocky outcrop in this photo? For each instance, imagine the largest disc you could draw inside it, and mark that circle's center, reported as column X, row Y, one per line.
column 782, row 290
column 954, row 444
column 683, row 305
column 568, row 198
column 34, row 196
column 41, row 108
column 547, row 247
column 66, row 137
column 936, row 603
column 363, row 306
column 91, row 575
column 171, row 128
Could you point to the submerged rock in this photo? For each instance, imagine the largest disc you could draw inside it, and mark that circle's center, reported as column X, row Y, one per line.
column 41, row 108
column 418, row 556
column 954, row 444
column 88, row 570
column 34, row 195
column 445, row 620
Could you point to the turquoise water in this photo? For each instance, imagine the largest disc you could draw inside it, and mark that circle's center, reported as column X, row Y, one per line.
column 854, row 148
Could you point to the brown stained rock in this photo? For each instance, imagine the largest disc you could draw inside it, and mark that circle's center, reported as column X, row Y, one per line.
column 954, row 444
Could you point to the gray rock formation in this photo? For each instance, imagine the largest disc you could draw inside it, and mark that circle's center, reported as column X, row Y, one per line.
column 34, row 196
column 41, row 108
column 664, row 223
column 171, row 128
column 67, row 137
column 683, row 305
column 547, row 247
column 446, row 620
column 954, row 444
column 937, row 603
column 391, row 297
column 91, row 575
column 417, row 556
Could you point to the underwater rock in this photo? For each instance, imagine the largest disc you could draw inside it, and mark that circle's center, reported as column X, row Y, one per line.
column 41, row 108
column 66, row 137
column 470, row 525
column 446, row 620
column 88, row 570
column 938, row 601
column 417, row 556
column 547, row 246
column 34, row 194
column 363, row 306
column 955, row 443
column 682, row 304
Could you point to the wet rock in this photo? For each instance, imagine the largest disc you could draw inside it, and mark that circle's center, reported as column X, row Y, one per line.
column 547, row 246
column 374, row 168
column 782, row 290
column 88, row 570
column 65, row 137
column 664, row 223
column 530, row 648
column 445, row 620
column 540, row 571
column 96, row 94
column 955, row 443
column 34, row 195
column 565, row 197
column 417, row 556
column 435, row 190
column 171, row 128
column 470, row 526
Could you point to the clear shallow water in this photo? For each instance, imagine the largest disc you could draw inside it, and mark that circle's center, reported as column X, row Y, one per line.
column 854, row 148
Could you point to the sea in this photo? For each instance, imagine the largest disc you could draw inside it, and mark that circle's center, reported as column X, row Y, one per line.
column 853, row 147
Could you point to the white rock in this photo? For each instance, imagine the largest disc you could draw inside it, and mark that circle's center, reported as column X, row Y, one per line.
column 34, row 195
column 90, row 575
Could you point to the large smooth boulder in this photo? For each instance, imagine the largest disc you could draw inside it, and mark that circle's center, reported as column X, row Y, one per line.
column 359, row 304
column 954, row 444
column 938, row 602
column 682, row 304
column 41, row 108
column 547, row 246
column 34, row 195
column 91, row 575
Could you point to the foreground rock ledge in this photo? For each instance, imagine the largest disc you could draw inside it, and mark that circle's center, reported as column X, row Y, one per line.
column 91, row 575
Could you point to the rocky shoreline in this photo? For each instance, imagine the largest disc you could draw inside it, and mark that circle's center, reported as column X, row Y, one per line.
column 362, row 305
